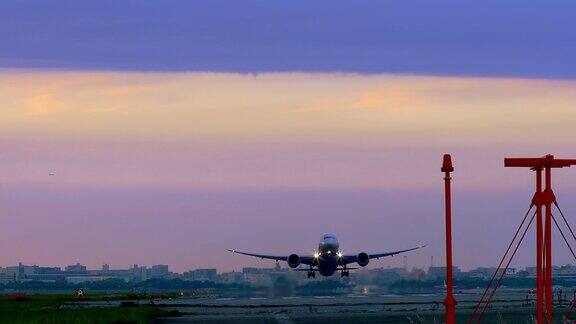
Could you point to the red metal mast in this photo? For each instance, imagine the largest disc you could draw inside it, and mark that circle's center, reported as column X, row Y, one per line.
column 538, row 202
column 548, row 200
column 450, row 301
column 543, row 235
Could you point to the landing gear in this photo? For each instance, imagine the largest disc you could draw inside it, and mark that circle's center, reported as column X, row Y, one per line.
column 311, row 274
column 345, row 272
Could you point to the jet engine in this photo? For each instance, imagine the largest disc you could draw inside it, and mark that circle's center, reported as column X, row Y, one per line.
column 293, row 260
column 363, row 258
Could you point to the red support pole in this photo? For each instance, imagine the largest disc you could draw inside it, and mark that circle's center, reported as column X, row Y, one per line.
column 450, row 301
column 537, row 201
column 548, row 200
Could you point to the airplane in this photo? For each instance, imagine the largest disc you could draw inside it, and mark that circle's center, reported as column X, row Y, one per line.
column 328, row 259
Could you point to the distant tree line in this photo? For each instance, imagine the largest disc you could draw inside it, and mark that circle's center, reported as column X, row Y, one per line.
column 282, row 286
column 121, row 285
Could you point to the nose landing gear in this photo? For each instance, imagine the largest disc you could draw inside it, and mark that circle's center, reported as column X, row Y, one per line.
column 311, row 274
column 345, row 273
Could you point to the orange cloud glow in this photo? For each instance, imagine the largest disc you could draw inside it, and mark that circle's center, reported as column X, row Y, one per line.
column 278, row 130
column 204, row 105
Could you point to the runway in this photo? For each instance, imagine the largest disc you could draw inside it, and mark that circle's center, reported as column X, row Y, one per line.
column 511, row 304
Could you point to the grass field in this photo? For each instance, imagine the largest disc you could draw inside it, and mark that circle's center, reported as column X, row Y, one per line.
column 61, row 309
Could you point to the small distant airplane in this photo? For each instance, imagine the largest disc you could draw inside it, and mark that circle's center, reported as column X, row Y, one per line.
column 328, row 259
column 51, row 174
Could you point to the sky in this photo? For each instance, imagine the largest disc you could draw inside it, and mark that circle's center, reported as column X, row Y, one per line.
column 178, row 129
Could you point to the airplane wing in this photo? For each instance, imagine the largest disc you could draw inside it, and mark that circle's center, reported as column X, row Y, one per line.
column 303, row 259
column 354, row 258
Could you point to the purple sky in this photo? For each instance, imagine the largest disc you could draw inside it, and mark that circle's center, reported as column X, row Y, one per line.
column 57, row 224
column 156, row 162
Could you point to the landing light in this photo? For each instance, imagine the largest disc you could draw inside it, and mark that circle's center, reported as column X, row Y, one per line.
column 340, row 254
column 316, row 255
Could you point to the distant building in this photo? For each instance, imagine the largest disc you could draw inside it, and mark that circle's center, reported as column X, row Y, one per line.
column 417, row 274
column 487, row 273
column 440, row 272
column 388, row 275
column 259, row 276
column 124, row 274
column 260, row 271
column 511, row 272
column 201, row 275
column 232, row 277
column 567, row 271
column 158, row 271
column 47, row 270
column 139, row 273
column 76, row 268
column 7, row 276
column 20, row 271
column 46, row 274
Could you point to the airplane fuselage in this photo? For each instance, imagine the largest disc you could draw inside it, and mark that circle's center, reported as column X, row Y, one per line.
column 328, row 257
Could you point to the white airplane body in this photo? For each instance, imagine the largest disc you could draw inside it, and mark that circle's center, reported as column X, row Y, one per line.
column 328, row 259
